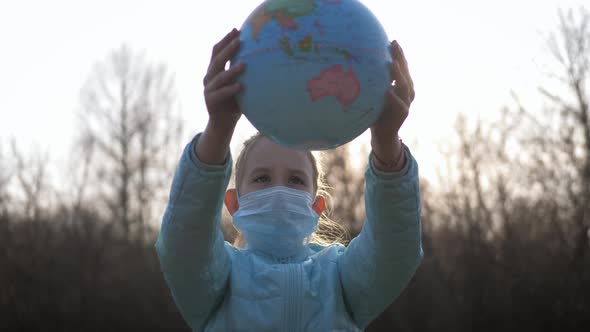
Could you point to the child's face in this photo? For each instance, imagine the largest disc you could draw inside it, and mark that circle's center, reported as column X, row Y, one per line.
column 269, row 164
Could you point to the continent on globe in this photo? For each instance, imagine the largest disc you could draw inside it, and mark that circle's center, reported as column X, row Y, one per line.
column 333, row 81
column 282, row 11
column 285, row 45
column 316, row 71
column 305, row 44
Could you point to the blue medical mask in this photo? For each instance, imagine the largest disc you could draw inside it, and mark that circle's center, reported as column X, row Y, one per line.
column 277, row 221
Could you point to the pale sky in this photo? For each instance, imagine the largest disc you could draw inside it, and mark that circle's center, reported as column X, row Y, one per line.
column 464, row 55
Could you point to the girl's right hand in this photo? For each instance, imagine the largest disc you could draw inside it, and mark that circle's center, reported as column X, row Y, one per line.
column 220, row 96
column 220, row 85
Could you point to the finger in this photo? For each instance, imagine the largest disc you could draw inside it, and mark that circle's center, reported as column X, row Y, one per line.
column 223, row 42
column 401, row 87
column 401, row 57
column 218, row 62
column 223, row 93
column 399, row 76
column 224, row 78
column 219, row 56
column 397, row 102
column 392, row 72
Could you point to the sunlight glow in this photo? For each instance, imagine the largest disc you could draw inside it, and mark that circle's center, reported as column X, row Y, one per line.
column 465, row 56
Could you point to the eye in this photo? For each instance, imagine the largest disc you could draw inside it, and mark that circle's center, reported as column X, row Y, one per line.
column 262, row 179
column 296, row 180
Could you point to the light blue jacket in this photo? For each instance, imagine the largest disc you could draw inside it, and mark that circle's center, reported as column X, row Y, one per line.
column 218, row 287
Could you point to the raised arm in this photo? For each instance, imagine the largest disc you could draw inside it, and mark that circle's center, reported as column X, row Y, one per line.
column 381, row 260
column 193, row 255
column 378, row 264
column 190, row 244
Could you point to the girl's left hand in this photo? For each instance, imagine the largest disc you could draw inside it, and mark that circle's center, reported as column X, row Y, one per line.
column 398, row 99
column 384, row 132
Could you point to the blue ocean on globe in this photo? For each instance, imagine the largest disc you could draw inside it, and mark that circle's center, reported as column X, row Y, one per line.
column 316, row 71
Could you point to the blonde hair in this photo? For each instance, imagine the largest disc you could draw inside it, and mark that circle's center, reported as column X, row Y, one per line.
column 328, row 231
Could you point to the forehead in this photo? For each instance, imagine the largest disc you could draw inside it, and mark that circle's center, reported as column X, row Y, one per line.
column 267, row 154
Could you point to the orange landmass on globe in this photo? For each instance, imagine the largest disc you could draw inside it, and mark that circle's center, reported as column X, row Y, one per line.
column 260, row 18
column 333, row 81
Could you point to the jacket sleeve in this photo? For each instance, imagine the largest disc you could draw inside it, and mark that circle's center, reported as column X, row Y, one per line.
column 193, row 254
column 381, row 260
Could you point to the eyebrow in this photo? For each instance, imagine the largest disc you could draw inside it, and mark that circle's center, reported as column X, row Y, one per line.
column 259, row 170
column 266, row 170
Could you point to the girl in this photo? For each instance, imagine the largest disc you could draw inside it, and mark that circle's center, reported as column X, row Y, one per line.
column 281, row 281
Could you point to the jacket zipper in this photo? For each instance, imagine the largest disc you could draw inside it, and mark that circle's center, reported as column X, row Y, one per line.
column 292, row 306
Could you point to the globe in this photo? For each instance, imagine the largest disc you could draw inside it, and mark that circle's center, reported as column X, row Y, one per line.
column 316, row 71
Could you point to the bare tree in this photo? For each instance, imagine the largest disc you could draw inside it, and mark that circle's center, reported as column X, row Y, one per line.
column 5, row 177
column 346, row 187
column 79, row 171
column 31, row 175
column 130, row 121
column 559, row 141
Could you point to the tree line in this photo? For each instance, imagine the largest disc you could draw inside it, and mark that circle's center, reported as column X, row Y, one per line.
column 506, row 232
